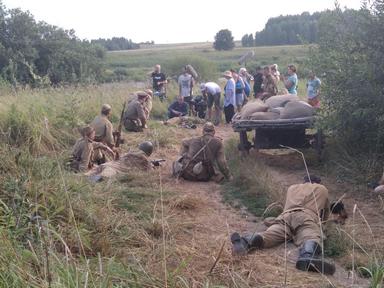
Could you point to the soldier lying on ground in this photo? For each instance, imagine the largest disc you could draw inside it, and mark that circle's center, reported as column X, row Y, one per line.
column 306, row 206
column 133, row 160
column 104, row 131
column 83, row 152
column 198, row 156
column 135, row 118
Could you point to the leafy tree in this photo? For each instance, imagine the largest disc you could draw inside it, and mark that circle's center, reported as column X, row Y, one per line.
column 351, row 54
column 36, row 53
column 224, row 40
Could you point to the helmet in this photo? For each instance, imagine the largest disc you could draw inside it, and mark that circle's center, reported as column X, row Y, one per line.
column 208, row 127
column 146, row 147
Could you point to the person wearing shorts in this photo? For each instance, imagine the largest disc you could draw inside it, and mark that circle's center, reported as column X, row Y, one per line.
column 212, row 92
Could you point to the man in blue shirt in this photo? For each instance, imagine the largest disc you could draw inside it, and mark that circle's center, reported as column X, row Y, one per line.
column 313, row 89
column 178, row 108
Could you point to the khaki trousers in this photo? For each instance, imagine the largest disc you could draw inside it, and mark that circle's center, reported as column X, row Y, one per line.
column 298, row 226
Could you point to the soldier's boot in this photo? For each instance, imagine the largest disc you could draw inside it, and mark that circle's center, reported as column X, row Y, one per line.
column 310, row 259
column 242, row 245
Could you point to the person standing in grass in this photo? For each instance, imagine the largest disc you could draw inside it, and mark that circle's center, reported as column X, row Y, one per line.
column 186, row 83
column 291, row 81
column 269, row 84
column 229, row 96
column 313, row 90
column 212, row 92
column 257, row 82
column 159, row 81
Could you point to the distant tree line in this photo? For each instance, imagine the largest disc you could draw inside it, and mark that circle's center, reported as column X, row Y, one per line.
column 286, row 30
column 247, row 40
column 37, row 53
column 117, row 43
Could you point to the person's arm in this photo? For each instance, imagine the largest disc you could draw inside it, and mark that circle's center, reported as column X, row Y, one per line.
column 109, row 134
column 184, row 147
column 141, row 115
column 222, row 162
column 288, row 83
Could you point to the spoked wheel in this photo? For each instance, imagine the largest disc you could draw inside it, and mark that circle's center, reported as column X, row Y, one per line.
column 244, row 145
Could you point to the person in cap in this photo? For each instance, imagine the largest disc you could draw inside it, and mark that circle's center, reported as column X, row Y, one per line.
column 212, row 93
column 178, row 108
column 103, row 127
column 306, row 208
column 229, row 96
column 133, row 160
column 134, row 115
column 83, row 152
column 198, row 156
column 103, row 132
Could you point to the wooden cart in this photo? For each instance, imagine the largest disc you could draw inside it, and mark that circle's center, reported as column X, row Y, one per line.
column 273, row 134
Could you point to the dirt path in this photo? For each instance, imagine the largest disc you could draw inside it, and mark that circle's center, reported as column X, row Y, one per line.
column 200, row 223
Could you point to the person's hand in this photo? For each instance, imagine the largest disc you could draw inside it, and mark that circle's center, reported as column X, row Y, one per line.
column 230, row 178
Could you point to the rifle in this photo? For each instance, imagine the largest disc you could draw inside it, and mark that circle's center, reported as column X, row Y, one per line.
column 157, row 162
column 117, row 133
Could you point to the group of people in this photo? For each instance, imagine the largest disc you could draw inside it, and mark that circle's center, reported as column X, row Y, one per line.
column 202, row 158
column 237, row 90
column 96, row 152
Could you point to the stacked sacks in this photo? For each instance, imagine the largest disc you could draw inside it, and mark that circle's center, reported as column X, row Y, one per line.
column 296, row 109
column 280, row 100
column 253, row 107
column 276, row 107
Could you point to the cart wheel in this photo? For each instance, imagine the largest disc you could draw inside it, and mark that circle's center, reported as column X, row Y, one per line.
column 244, row 145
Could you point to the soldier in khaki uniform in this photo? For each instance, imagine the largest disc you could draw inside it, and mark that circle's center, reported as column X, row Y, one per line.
column 83, row 156
column 305, row 207
column 133, row 160
column 198, row 156
column 103, row 127
column 134, row 116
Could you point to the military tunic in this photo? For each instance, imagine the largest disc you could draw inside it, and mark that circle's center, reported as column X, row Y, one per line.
column 103, row 130
column 306, row 205
column 193, row 153
column 83, row 154
column 134, row 116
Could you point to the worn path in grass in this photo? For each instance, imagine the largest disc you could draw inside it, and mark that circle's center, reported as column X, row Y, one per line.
column 199, row 223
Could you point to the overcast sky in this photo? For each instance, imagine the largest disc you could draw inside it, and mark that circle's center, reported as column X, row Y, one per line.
column 166, row 21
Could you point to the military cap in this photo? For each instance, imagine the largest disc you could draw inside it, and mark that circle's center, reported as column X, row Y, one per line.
column 208, row 127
